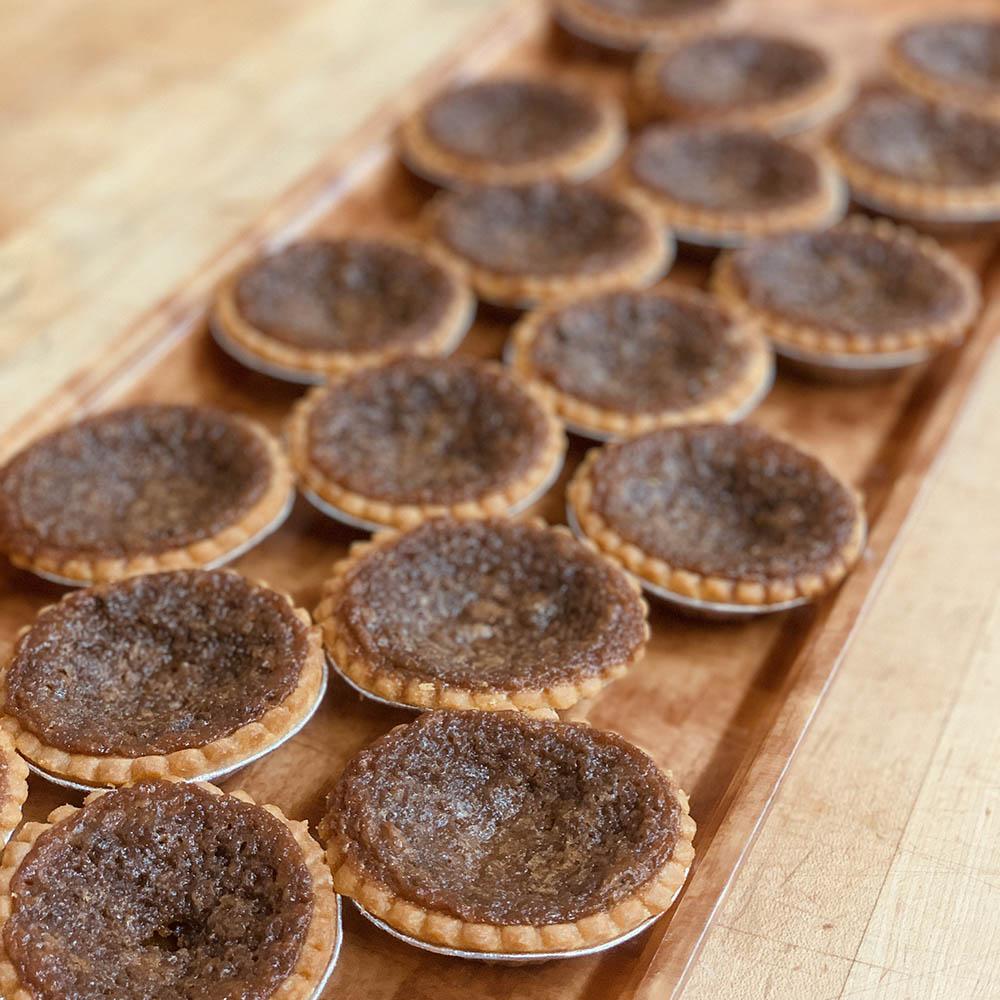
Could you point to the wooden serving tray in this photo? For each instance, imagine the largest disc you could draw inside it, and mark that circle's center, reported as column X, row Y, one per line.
column 723, row 705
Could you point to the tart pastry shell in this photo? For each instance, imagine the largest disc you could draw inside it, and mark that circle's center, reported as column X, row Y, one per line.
column 15, row 789
column 619, row 31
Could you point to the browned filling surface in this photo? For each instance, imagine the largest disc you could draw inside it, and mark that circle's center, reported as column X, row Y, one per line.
column 541, row 229
column 740, row 70
column 962, row 52
column 144, row 479
column 490, row 605
column 636, row 352
column 160, row 890
column 497, row 818
column 510, row 121
column 155, row 664
column 724, row 500
column 426, row 432
column 917, row 141
column 724, row 169
column 344, row 295
column 654, row 8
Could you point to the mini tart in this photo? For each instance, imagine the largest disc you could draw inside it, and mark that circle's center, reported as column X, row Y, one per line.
column 493, row 615
column 496, row 832
column 951, row 61
column 163, row 889
column 175, row 675
column 862, row 288
column 720, row 513
column 622, row 363
column 522, row 244
column 13, row 787
column 743, row 78
column 716, row 184
column 417, row 439
column 325, row 307
column 512, row 131
column 913, row 159
column 141, row 489
column 638, row 24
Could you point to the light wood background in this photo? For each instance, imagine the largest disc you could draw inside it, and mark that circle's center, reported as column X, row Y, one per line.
column 136, row 136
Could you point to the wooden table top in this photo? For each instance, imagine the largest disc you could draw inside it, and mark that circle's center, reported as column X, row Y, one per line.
column 139, row 135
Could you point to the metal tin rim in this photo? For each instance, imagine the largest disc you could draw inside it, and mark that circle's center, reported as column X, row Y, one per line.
column 980, row 215
column 856, row 362
column 338, row 940
column 370, row 695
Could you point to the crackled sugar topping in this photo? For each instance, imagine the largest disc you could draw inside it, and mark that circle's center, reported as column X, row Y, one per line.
column 426, row 432
column 155, row 664
column 918, row 141
column 544, row 229
column 724, row 500
column 160, row 890
column 497, row 818
column 640, row 352
column 963, row 52
column 145, row 479
column 510, row 121
column 344, row 295
column 490, row 605
column 857, row 282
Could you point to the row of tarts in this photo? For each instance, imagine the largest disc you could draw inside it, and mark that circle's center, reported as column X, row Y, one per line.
column 473, row 829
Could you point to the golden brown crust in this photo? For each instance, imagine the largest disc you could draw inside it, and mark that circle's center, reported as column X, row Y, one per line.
column 691, row 585
column 382, row 512
column 439, row 340
column 437, row 928
column 619, row 31
column 227, row 752
column 395, row 686
column 820, row 340
column 13, row 789
column 318, row 947
column 585, row 416
column 588, row 156
column 205, row 553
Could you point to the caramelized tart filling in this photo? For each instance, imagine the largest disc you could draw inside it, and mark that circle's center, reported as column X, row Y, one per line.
column 344, row 295
column 654, row 8
column 155, row 664
column 497, row 818
column 724, row 500
column 639, row 352
column 426, row 432
column 145, row 479
column 963, row 52
column 544, row 229
column 160, row 890
column 494, row 605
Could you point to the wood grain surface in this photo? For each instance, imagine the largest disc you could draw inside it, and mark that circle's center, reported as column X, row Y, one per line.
column 148, row 135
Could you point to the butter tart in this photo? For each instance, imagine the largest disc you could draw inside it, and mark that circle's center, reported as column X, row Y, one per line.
column 915, row 160
column 621, row 363
column 493, row 615
column 141, row 489
column 954, row 61
column 166, row 890
column 638, row 24
column 418, row 438
column 867, row 289
column 522, row 244
column 743, row 78
column 493, row 832
column 723, row 514
column 720, row 185
column 13, row 788
column 512, row 130
column 178, row 675
column 323, row 307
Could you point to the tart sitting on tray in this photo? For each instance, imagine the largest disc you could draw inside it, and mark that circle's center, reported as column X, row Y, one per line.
column 512, row 130
column 864, row 288
column 176, row 675
column 496, row 833
column 166, row 890
column 522, row 244
column 13, row 787
column 416, row 439
column 481, row 614
column 720, row 513
column 323, row 307
column 141, row 489
column 622, row 363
